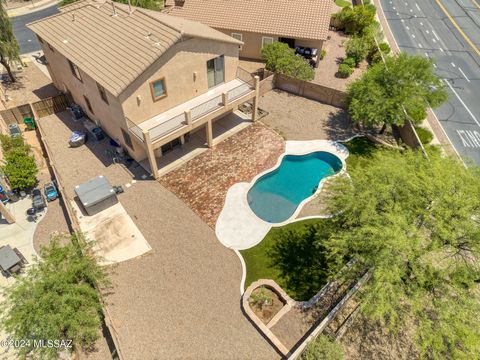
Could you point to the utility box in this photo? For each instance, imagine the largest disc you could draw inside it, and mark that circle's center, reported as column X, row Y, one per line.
column 96, row 195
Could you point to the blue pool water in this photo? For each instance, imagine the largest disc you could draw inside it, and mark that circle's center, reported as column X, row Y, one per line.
column 276, row 195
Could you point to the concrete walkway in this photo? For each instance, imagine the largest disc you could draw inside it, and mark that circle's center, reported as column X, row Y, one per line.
column 237, row 226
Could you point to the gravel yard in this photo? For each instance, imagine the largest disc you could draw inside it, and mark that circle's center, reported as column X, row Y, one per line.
column 298, row 118
column 180, row 300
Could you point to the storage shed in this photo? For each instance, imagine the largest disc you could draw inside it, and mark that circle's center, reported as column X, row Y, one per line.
column 96, row 195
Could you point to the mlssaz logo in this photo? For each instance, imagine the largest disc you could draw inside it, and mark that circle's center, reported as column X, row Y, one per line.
column 64, row 344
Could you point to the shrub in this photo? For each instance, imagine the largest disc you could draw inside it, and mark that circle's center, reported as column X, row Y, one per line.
column 384, row 48
column 354, row 20
column 357, row 48
column 350, row 61
column 323, row 53
column 8, row 143
column 344, row 71
column 281, row 59
column 424, row 135
column 260, row 298
column 20, row 169
column 322, row 348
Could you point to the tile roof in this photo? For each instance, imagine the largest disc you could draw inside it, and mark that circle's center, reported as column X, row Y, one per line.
column 306, row 19
column 115, row 50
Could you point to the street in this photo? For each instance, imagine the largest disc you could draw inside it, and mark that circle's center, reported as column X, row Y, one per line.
column 26, row 38
column 447, row 31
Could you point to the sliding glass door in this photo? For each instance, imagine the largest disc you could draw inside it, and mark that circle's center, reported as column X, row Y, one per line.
column 215, row 71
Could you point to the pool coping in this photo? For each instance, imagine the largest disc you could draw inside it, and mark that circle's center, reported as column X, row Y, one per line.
column 236, row 208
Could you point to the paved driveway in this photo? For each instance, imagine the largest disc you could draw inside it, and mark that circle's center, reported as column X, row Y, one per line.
column 181, row 300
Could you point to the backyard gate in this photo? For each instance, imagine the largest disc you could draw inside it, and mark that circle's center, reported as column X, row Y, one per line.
column 50, row 105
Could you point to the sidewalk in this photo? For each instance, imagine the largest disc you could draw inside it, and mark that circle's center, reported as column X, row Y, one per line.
column 27, row 7
column 432, row 123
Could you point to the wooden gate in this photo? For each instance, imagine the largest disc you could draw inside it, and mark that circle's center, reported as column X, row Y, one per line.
column 15, row 115
column 50, row 105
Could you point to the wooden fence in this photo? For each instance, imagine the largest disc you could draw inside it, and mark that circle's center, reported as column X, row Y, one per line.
column 50, row 105
column 15, row 115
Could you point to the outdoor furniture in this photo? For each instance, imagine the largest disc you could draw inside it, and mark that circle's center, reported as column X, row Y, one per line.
column 96, row 195
column 9, row 260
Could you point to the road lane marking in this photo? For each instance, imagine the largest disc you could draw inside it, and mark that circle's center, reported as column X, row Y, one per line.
column 418, row 7
column 428, row 32
column 435, row 66
column 420, row 45
column 476, row 4
column 426, row 55
column 453, row 64
column 413, row 36
column 435, row 34
column 441, row 50
column 421, row 23
column 465, row 76
column 402, row 20
column 467, row 39
column 470, row 138
column 461, row 101
column 435, row 41
column 408, row 28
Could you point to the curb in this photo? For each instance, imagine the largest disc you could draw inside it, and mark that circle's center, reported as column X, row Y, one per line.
column 37, row 6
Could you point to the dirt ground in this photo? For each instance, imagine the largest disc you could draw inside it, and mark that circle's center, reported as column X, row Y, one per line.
column 297, row 118
column 328, row 67
column 31, row 85
column 267, row 312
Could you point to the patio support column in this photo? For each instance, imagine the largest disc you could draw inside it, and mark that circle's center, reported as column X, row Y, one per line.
column 6, row 214
column 150, row 153
column 225, row 99
column 188, row 117
column 256, row 83
column 209, row 133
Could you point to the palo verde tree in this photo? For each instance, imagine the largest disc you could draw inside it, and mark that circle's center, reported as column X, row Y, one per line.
column 393, row 92
column 280, row 58
column 415, row 224
column 56, row 299
column 9, row 50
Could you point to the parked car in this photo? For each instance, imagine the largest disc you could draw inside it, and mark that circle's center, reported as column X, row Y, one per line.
column 14, row 130
column 38, row 201
column 50, row 191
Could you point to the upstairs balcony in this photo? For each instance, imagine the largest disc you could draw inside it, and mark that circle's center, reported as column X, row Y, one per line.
column 195, row 112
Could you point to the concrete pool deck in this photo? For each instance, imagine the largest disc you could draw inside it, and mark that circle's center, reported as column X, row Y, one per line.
column 237, row 226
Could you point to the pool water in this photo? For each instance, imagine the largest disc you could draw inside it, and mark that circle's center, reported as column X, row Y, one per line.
column 276, row 195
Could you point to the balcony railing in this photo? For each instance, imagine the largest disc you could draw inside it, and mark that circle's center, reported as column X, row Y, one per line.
column 244, row 84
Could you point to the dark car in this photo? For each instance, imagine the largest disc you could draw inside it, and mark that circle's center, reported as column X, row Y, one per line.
column 38, row 201
column 14, row 130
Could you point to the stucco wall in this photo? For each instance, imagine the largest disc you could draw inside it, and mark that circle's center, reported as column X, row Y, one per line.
column 253, row 43
column 184, row 68
column 109, row 116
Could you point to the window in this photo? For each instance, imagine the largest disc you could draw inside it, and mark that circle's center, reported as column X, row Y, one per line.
column 75, row 70
column 238, row 36
column 158, row 89
column 89, row 106
column 266, row 40
column 215, row 71
column 51, row 48
column 127, row 139
column 103, row 92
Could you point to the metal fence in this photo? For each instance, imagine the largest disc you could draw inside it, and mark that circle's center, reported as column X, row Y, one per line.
column 168, row 126
column 135, row 130
column 206, row 107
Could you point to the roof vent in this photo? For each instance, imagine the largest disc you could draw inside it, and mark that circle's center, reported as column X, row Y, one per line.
column 148, row 35
column 114, row 9
column 73, row 16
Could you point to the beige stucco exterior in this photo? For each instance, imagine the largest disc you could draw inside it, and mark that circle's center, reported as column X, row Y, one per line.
column 184, row 68
column 252, row 46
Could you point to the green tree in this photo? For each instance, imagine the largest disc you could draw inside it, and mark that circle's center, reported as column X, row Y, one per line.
column 280, row 58
column 8, row 143
column 415, row 224
column 404, row 82
column 322, row 348
column 20, row 168
column 353, row 20
column 9, row 50
column 56, row 299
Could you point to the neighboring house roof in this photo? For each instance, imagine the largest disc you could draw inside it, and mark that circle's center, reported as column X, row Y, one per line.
column 115, row 50
column 305, row 19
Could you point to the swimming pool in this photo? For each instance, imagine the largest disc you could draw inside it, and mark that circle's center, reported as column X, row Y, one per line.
column 275, row 196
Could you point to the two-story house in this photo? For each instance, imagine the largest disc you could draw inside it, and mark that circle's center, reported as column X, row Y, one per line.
column 147, row 78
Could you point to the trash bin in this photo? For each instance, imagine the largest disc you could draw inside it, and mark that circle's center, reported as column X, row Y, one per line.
column 29, row 122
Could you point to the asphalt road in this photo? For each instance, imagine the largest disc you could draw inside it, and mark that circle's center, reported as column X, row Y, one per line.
column 422, row 27
column 26, row 38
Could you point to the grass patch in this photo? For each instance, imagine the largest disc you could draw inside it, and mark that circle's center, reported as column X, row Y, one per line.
column 289, row 255
column 342, row 3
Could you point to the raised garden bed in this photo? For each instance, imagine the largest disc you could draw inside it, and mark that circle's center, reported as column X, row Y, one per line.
column 265, row 303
